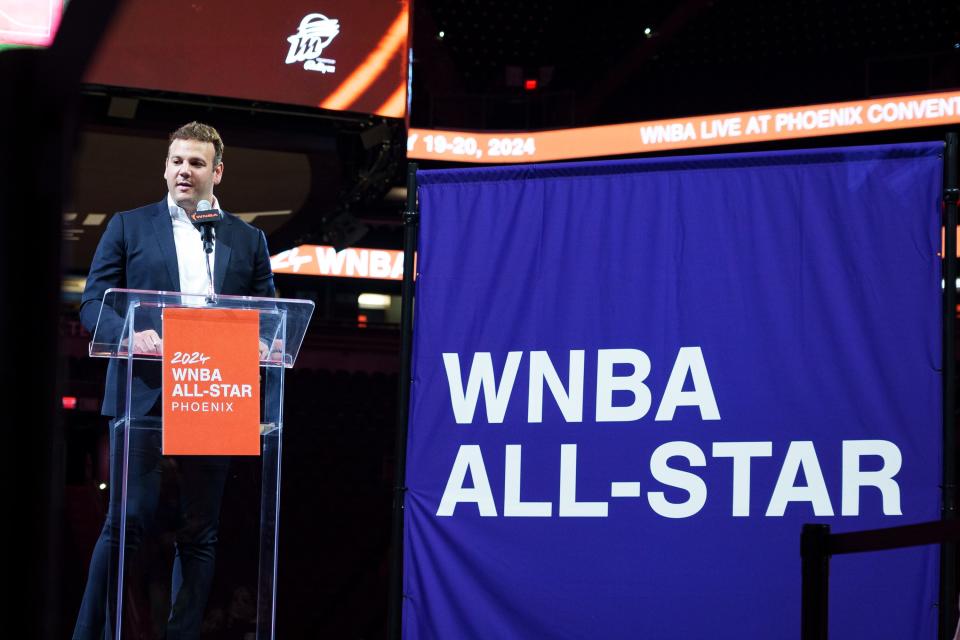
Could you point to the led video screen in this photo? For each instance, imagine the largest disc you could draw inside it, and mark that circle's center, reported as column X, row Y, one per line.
column 29, row 22
column 338, row 54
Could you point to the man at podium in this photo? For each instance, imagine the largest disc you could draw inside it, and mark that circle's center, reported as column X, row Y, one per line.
column 157, row 247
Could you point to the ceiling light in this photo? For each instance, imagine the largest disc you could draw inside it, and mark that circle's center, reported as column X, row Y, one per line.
column 373, row 301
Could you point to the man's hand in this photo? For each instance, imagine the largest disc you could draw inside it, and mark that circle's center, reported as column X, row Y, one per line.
column 148, row 342
column 275, row 354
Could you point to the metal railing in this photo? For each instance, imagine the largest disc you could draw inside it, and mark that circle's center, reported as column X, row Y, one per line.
column 817, row 545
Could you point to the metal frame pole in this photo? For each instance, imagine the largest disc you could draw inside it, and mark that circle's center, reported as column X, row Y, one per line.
column 815, row 581
column 948, row 551
column 411, row 222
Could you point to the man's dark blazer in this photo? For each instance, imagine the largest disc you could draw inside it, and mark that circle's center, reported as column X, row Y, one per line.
column 137, row 251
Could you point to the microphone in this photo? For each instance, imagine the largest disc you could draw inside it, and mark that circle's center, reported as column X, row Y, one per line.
column 205, row 219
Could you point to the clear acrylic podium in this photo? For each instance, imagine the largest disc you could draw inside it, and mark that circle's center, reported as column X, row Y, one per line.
column 163, row 548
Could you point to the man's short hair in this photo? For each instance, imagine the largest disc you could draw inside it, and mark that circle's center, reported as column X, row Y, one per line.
column 201, row 133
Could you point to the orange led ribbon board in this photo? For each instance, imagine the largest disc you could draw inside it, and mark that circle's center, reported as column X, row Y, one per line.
column 905, row 112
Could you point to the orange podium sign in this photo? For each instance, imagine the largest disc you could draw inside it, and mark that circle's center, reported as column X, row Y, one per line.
column 211, row 382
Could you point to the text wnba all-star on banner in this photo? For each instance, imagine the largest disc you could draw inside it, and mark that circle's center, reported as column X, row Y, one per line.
column 634, row 381
column 211, row 383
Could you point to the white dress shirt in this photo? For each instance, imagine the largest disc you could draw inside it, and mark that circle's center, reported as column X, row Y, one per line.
column 191, row 260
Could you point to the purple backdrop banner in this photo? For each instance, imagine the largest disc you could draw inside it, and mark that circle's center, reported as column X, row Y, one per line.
column 634, row 382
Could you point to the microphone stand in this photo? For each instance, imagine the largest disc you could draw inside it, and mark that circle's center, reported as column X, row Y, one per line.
column 204, row 218
column 206, row 234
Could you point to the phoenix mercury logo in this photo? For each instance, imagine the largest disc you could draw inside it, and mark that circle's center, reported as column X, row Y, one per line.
column 315, row 33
